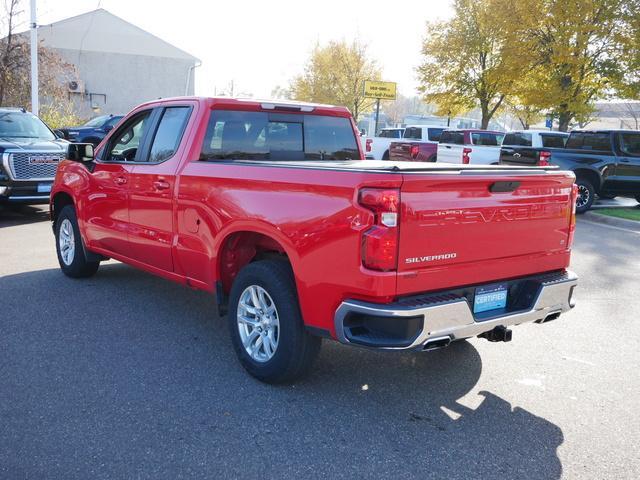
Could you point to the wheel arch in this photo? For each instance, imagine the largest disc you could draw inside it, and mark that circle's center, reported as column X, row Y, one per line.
column 59, row 200
column 242, row 246
column 591, row 175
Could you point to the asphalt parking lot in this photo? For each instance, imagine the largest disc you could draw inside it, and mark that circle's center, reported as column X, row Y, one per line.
column 126, row 375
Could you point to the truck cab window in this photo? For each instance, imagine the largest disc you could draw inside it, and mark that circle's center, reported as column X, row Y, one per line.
column 125, row 143
column 169, row 133
column 237, row 135
column 630, row 143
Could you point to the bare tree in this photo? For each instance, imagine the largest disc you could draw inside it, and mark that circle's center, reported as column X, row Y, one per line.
column 15, row 72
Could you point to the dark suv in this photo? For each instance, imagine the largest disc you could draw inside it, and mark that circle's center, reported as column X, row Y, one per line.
column 606, row 163
column 93, row 131
column 29, row 156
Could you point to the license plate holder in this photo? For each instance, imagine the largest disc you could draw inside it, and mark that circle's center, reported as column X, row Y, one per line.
column 44, row 188
column 490, row 297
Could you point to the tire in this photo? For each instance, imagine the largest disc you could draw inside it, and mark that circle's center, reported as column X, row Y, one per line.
column 293, row 350
column 71, row 259
column 586, row 195
column 385, row 155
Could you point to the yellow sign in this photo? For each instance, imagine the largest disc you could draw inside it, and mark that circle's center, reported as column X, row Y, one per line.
column 382, row 90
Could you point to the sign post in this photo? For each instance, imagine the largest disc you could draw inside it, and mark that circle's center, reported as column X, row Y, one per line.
column 379, row 91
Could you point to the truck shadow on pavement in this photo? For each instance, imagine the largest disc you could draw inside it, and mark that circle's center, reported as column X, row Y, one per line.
column 14, row 215
column 128, row 375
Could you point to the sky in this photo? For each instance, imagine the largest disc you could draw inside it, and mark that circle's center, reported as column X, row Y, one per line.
column 263, row 44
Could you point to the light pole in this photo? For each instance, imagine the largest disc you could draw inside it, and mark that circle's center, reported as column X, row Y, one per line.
column 34, row 60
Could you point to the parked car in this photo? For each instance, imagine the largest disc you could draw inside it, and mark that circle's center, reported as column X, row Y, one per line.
column 269, row 205
column 481, row 147
column 377, row 148
column 420, row 145
column 29, row 156
column 605, row 162
column 93, row 131
column 530, row 147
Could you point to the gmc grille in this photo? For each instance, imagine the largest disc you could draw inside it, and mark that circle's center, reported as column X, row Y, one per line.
column 23, row 169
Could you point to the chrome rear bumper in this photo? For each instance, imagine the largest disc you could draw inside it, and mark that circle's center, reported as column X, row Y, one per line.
column 449, row 315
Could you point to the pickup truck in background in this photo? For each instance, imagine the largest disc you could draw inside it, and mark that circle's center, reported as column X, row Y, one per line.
column 420, row 144
column 270, row 206
column 530, row 147
column 377, row 148
column 480, row 147
column 605, row 162
column 93, row 131
column 29, row 156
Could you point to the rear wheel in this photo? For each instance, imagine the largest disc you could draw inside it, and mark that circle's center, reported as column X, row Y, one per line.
column 586, row 195
column 69, row 246
column 266, row 326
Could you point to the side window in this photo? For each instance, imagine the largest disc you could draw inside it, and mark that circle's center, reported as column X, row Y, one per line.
column 169, row 133
column 125, row 142
column 630, row 144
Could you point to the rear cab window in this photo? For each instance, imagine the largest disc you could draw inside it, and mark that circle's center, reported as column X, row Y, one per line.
column 433, row 134
column 414, row 133
column 518, row 139
column 486, row 139
column 392, row 133
column 455, row 138
column 246, row 135
column 553, row 141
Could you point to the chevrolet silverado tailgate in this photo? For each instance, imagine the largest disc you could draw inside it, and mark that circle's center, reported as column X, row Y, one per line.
column 467, row 227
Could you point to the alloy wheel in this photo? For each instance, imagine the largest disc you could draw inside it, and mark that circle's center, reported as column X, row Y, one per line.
column 258, row 323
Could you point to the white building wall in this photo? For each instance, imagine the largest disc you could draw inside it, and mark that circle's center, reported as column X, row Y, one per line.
column 116, row 82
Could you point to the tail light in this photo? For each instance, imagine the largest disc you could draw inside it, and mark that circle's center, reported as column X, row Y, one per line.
column 414, row 151
column 572, row 220
column 380, row 242
column 543, row 160
column 368, row 144
column 465, row 155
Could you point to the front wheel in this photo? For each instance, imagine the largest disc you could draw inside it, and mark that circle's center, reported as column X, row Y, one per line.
column 586, row 195
column 69, row 246
column 266, row 326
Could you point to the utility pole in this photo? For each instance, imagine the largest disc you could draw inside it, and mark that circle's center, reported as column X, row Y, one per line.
column 34, row 60
column 375, row 130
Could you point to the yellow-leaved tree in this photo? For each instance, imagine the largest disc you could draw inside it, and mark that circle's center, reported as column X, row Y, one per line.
column 335, row 74
column 572, row 50
column 466, row 61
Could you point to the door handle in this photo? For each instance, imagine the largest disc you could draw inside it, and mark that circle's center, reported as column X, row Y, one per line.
column 121, row 180
column 624, row 160
column 447, row 146
column 161, row 185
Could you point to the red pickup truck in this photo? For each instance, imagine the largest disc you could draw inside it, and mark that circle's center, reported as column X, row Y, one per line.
column 270, row 206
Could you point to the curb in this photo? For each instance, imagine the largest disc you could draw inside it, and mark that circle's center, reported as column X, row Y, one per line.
column 613, row 221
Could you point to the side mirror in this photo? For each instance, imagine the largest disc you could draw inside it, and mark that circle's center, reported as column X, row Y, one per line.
column 80, row 152
column 107, row 128
column 58, row 134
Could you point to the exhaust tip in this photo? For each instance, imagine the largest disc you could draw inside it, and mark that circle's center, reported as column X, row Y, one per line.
column 436, row 343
